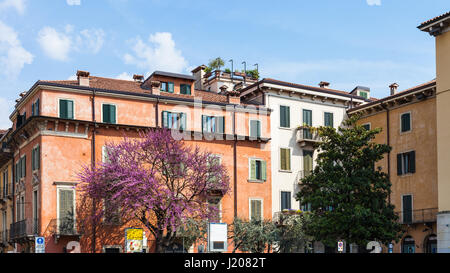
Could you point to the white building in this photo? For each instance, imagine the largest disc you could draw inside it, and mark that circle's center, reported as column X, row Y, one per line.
column 293, row 106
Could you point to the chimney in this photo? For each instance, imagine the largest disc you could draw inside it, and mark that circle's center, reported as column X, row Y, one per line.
column 155, row 86
column 393, row 88
column 138, row 78
column 234, row 97
column 223, row 89
column 83, row 78
column 323, row 84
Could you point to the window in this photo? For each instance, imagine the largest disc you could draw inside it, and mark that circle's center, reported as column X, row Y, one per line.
column 66, row 109
column 21, row 168
column 185, row 89
column 307, row 121
column 307, row 162
column 109, row 113
column 66, row 212
column 35, row 108
column 406, row 163
column 366, row 126
column 257, row 170
column 215, row 203
column 285, row 159
column 21, row 119
column 285, row 200
column 306, row 207
column 405, row 122
column 256, row 209
column 174, row 120
column 285, row 119
column 407, row 208
column 35, row 212
column 5, row 183
column 212, row 124
column 328, row 119
column 105, row 156
column 35, row 158
column 363, row 94
column 255, row 128
column 167, row 87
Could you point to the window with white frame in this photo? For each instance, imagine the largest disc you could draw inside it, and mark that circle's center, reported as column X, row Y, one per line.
column 257, row 170
column 256, row 209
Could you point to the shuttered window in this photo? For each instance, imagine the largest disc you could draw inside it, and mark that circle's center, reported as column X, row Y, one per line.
column 285, row 200
column 255, row 128
column 66, row 109
column 405, row 122
column 256, row 209
column 174, row 120
column 35, row 158
column 285, row 116
column 258, row 170
column 366, row 126
column 170, row 87
column 35, row 108
column 285, row 159
column 66, row 211
column 407, row 208
column 109, row 113
column 163, row 86
column 328, row 119
column 21, row 167
column 185, row 89
column 406, row 163
column 307, row 162
column 212, row 124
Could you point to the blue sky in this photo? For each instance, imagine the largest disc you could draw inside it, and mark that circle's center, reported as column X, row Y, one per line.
column 345, row 42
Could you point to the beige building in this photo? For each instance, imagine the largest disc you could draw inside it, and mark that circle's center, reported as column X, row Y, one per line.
column 439, row 27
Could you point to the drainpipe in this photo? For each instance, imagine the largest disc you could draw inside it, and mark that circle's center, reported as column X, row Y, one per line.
column 94, row 226
column 157, row 112
column 235, row 161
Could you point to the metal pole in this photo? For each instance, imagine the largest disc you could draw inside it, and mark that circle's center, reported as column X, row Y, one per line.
column 245, row 70
column 232, row 71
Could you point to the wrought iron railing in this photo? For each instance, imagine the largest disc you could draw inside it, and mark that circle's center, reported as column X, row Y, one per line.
column 4, row 237
column 307, row 134
column 417, row 216
column 64, row 227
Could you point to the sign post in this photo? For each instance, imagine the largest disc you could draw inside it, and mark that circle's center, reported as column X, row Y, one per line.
column 39, row 245
column 391, row 248
column 134, row 240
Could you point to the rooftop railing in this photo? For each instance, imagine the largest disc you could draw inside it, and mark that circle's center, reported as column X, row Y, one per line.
column 418, row 216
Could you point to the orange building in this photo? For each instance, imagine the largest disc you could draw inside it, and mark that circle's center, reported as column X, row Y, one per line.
column 408, row 122
column 59, row 126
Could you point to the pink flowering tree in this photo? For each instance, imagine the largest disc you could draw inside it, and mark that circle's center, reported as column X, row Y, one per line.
column 158, row 181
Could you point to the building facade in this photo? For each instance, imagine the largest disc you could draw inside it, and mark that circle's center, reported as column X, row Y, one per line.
column 60, row 126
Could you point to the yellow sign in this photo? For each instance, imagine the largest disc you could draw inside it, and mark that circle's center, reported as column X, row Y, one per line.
column 135, row 234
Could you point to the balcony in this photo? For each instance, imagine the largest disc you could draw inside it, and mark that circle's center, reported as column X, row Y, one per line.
column 417, row 216
column 64, row 227
column 24, row 229
column 307, row 136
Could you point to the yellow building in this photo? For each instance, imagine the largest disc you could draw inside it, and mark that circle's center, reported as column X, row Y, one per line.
column 439, row 27
column 408, row 122
column 6, row 195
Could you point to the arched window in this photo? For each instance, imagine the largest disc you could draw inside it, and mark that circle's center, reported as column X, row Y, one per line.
column 430, row 243
column 408, row 245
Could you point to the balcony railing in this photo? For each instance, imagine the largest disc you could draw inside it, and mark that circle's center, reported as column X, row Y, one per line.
column 418, row 216
column 64, row 227
column 24, row 228
column 306, row 135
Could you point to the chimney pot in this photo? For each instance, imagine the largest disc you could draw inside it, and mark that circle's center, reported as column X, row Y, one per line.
column 393, row 88
column 138, row 78
column 323, row 84
column 83, row 78
column 155, row 87
column 234, row 97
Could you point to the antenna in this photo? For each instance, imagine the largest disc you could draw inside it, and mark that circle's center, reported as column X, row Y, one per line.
column 231, row 71
column 245, row 70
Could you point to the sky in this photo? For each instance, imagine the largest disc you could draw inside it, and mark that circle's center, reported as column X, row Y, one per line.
column 372, row 43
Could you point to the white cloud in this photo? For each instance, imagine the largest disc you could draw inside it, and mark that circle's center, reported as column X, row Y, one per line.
column 73, row 2
column 125, row 76
column 55, row 44
column 58, row 45
column 19, row 5
column 159, row 54
column 13, row 56
column 72, row 78
column 373, row 2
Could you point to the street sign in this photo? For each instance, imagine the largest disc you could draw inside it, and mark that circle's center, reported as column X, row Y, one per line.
column 217, row 237
column 340, row 246
column 391, row 248
column 39, row 245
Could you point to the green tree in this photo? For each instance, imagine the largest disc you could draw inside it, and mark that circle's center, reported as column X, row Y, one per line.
column 253, row 236
column 347, row 194
column 253, row 73
column 291, row 236
column 216, row 64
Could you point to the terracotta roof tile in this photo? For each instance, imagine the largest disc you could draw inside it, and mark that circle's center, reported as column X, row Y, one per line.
column 437, row 18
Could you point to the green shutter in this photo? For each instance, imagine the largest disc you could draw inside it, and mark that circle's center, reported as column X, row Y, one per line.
column 285, row 159
column 66, row 210
column 204, row 127
column 32, row 109
column 164, row 119
column 328, row 119
column 63, row 109
column 70, row 109
column 36, row 108
column 252, row 169
column 399, row 164
column 263, row 171
column 283, row 117
column 106, row 113
column 182, row 121
column 38, row 157
column 112, row 114
column 256, row 209
column 221, row 125
column 412, row 160
column 171, row 85
column 33, row 158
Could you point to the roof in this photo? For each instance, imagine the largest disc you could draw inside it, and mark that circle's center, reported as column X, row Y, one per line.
column 307, row 87
column 434, row 20
column 172, row 75
column 398, row 94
